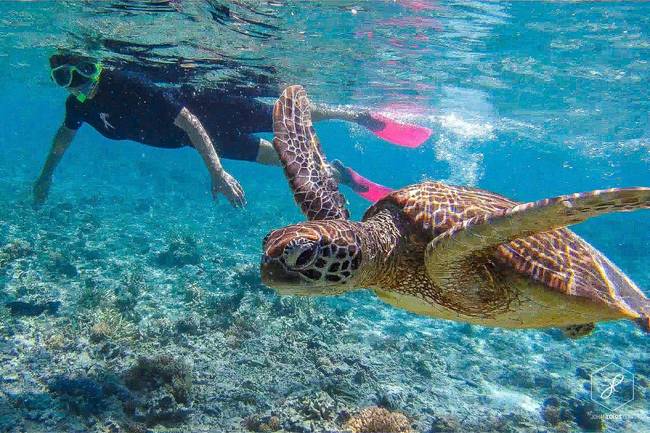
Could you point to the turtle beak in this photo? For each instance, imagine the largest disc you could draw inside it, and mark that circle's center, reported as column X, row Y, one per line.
column 286, row 282
column 276, row 276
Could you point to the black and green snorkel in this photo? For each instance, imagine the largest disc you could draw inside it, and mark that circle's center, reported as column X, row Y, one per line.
column 83, row 83
column 84, row 92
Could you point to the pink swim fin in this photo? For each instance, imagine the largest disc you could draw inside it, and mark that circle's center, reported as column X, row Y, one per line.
column 401, row 134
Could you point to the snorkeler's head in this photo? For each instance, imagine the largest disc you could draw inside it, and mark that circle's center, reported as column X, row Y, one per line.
column 73, row 71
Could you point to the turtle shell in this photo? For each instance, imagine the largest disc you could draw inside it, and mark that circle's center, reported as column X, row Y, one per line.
column 559, row 259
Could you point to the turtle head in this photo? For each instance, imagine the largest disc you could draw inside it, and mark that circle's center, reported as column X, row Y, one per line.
column 312, row 258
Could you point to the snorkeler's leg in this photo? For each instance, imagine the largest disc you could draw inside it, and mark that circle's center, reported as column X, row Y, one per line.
column 366, row 188
column 266, row 153
column 401, row 134
column 60, row 144
column 324, row 112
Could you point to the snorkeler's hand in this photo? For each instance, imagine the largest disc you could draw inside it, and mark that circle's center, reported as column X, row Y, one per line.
column 227, row 185
column 41, row 189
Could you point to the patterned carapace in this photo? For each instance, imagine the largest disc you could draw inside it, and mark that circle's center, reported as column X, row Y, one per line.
column 555, row 257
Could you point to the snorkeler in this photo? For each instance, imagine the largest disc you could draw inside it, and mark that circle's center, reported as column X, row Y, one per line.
column 126, row 106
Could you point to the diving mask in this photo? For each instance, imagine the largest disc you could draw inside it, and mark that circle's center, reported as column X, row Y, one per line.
column 64, row 76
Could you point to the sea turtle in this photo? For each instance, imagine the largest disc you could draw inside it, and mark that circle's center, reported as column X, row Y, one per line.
column 445, row 251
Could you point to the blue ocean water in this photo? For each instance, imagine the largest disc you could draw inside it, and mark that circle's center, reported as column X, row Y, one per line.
column 527, row 99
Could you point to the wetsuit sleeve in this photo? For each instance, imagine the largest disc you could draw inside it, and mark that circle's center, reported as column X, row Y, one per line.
column 73, row 114
column 174, row 105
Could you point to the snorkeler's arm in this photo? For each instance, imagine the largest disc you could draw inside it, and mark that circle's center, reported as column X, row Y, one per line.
column 222, row 182
column 60, row 144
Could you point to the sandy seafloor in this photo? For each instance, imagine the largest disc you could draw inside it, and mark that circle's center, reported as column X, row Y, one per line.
column 162, row 323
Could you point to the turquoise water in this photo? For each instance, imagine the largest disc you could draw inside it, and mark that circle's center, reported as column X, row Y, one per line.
column 527, row 99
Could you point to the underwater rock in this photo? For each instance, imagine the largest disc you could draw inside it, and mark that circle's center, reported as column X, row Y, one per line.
column 390, row 399
column 84, row 395
column 180, row 252
column 321, row 407
column 162, row 370
column 551, row 414
column 14, row 250
column 376, row 419
column 20, row 308
column 91, row 254
column 583, row 373
column 507, row 423
column 124, row 426
column 555, row 411
column 188, row 325
column 33, row 401
column 161, row 408
column 445, row 424
column 543, row 381
column 642, row 366
column 33, row 406
column 60, row 263
column 587, row 416
column 166, row 385
column 9, row 416
column 261, row 423
column 424, row 368
column 521, row 377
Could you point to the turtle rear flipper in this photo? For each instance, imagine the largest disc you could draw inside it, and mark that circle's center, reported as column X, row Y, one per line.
column 313, row 185
column 530, row 238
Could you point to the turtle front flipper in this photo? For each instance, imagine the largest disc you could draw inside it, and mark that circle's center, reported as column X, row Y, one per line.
column 313, row 185
column 530, row 239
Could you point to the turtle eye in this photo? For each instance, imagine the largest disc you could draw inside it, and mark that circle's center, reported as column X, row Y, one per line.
column 301, row 255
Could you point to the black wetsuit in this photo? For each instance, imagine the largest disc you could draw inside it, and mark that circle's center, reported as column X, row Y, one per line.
column 127, row 106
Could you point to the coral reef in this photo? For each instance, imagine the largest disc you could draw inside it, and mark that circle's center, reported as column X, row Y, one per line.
column 378, row 420
column 261, row 424
column 166, row 385
column 13, row 250
column 197, row 343
column 109, row 324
